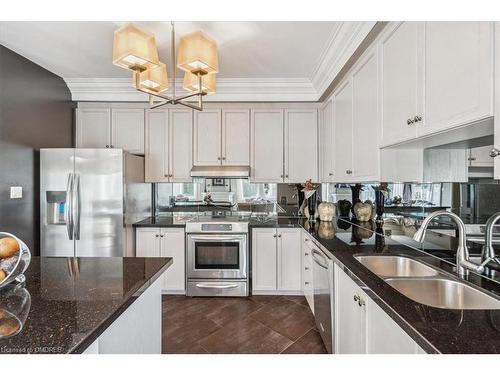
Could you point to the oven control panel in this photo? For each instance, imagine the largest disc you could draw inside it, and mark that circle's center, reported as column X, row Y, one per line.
column 217, row 227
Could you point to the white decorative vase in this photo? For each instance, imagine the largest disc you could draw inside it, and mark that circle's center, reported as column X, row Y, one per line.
column 363, row 211
column 326, row 211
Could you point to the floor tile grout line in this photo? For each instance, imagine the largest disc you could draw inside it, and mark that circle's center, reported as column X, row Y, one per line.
column 294, row 342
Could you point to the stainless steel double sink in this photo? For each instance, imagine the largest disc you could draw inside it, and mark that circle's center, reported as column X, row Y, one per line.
column 426, row 285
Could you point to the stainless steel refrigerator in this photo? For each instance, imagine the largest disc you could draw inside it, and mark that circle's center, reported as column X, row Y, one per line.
column 89, row 198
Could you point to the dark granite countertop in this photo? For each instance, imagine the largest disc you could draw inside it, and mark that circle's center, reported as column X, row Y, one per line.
column 435, row 330
column 69, row 302
column 165, row 221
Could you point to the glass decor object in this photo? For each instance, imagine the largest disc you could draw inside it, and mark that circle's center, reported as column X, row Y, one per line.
column 154, row 79
column 15, row 304
column 198, row 54
column 191, row 83
column 134, row 48
column 15, row 258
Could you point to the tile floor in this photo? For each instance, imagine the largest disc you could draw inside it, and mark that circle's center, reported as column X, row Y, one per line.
column 257, row 324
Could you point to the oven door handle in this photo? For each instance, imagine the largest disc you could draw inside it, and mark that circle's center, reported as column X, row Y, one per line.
column 217, row 238
column 216, row 285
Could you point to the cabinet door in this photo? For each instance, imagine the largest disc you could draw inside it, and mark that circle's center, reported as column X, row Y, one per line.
column 181, row 145
column 365, row 163
column 384, row 336
column 480, row 157
column 236, row 137
column 127, row 129
column 207, row 137
column 401, row 82
column 458, row 74
column 264, row 242
column 351, row 318
column 266, row 149
column 326, row 143
column 301, row 145
column 147, row 242
column 289, row 259
column 93, row 127
column 342, row 113
column 157, row 142
column 173, row 245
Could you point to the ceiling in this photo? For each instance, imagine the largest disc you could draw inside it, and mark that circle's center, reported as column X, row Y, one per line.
column 257, row 60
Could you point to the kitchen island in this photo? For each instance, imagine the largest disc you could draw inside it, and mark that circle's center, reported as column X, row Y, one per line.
column 85, row 305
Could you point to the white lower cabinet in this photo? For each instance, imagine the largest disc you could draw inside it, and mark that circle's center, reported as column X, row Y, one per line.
column 276, row 261
column 362, row 326
column 165, row 242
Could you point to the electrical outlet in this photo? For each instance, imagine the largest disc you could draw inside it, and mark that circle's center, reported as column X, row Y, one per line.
column 16, row 192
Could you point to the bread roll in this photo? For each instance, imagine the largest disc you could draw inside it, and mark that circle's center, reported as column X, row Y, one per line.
column 9, row 327
column 8, row 247
column 3, row 275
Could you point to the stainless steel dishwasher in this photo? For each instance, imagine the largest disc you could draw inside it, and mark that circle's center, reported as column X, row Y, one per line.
column 323, row 297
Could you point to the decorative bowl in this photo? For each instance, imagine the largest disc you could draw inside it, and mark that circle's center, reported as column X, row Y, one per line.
column 13, row 267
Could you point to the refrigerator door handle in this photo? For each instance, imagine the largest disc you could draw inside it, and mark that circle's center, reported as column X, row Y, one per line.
column 77, row 207
column 68, row 212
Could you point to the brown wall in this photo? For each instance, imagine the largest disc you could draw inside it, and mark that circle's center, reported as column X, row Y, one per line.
column 36, row 111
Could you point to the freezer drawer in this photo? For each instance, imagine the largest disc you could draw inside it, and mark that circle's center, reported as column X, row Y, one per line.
column 211, row 288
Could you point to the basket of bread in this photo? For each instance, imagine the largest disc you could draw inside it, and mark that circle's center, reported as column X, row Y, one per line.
column 15, row 258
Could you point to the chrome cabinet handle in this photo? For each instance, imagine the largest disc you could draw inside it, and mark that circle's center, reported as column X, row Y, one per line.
column 286, row 176
column 281, row 176
column 306, row 239
column 330, row 174
column 494, row 153
column 306, row 254
column 218, row 158
column 166, row 175
column 306, row 268
column 417, row 118
column 223, row 158
column 348, row 171
column 157, row 235
column 409, row 121
column 279, row 235
column 306, row 282
column 107, row 146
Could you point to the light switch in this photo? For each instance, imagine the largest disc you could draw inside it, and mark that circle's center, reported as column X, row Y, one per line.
column 16, row 192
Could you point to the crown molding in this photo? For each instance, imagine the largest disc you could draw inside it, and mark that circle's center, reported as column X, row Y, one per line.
column 341, row 45
column 228, row 90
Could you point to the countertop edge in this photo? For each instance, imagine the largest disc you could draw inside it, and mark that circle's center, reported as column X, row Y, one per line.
column 111, row 318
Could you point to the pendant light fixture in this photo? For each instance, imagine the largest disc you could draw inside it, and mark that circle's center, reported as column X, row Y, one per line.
column 136, row 50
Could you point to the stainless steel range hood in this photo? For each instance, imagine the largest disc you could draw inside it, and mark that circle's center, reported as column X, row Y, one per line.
column 221, row 171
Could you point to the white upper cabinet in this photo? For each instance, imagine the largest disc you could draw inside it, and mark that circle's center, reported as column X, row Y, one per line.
column 401, row 83
column 207, row 137
column 111, row 128
column 266, row 147
column 127, row 129
column 157, row 146
column 301, row 145
column 365, row 156
column 181, row 145
column 93, row 127
column 326, row 143
column 236, row 137
column 458, row 74
column 342, row 115
column 169, row 140
column 435, row 76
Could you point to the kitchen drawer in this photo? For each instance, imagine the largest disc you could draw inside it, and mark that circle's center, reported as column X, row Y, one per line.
column 212, row 288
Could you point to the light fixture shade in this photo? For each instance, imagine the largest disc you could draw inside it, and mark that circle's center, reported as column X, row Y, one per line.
column 154, row 79
column 198, row 53
column 134, row 48
column 191, row 83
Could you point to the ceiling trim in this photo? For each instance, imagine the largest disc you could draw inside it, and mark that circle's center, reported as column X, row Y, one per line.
column 228, row 90
column 341, row 45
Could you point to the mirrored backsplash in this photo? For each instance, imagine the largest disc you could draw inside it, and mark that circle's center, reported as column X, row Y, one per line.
column 473, row 201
